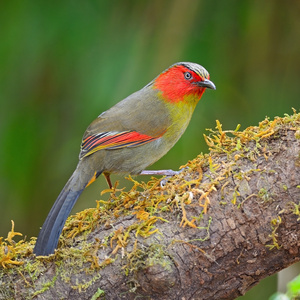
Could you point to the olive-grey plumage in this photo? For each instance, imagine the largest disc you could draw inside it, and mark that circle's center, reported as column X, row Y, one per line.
column 129, row 137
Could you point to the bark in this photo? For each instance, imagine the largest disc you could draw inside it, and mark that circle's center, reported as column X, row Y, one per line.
column 230, row 219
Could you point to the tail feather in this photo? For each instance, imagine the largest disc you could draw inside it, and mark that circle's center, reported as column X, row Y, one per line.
column 49, row 235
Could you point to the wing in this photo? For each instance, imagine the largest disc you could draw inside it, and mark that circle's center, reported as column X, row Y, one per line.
column 113, row 140
column 142, row 112
column 134, row 121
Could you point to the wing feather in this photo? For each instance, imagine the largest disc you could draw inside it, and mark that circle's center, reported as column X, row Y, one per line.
column 113, row 140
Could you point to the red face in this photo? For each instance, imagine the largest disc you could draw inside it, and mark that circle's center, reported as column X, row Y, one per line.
column 180, row 81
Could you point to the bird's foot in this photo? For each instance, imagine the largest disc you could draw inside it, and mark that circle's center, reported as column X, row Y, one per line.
column 168, row 173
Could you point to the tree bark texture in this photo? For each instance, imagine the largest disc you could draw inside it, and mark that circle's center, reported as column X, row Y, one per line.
column 228, row 220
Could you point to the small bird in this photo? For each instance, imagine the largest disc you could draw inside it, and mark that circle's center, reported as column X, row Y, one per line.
column 129, row 137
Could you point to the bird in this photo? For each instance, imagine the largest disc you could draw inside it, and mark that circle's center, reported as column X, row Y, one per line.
column 128, row 137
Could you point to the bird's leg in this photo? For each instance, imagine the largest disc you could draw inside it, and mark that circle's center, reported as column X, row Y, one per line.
column 160, row 172
column 168, row 173
column 107, row 177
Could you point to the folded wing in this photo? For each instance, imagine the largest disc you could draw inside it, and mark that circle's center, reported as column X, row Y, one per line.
column 113, row 140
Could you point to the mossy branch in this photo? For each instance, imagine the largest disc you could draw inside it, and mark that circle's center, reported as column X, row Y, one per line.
column 227, row 221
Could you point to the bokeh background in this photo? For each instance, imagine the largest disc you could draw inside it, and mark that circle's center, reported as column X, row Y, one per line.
column 62, row 63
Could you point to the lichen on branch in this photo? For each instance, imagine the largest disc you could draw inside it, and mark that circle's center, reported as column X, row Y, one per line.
column 233, row 212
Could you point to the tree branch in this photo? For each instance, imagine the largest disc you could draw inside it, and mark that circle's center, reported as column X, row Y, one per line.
column 215, row 230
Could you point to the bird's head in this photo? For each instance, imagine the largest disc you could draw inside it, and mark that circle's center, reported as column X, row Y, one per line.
column 183, row 81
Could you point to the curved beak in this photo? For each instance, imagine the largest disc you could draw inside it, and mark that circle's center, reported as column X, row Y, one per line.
column 206, row 84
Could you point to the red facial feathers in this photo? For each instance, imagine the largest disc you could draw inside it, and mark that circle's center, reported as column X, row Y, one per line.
column 174, row 86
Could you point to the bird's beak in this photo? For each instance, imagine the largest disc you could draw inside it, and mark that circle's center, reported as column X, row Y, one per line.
column 206, row 84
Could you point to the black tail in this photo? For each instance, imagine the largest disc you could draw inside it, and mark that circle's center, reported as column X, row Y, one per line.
column 54, row 223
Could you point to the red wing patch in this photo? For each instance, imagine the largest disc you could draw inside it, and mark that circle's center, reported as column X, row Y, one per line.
column 113, row 140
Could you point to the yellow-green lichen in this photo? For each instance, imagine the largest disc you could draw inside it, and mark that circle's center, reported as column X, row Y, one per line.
column 150, row 202
column 11, row 250
column 295, row 209
column 274, row 225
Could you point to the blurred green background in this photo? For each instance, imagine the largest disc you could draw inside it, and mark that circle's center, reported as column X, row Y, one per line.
column 62, row 63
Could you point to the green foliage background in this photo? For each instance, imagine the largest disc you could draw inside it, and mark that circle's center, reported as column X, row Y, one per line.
column 64, row 62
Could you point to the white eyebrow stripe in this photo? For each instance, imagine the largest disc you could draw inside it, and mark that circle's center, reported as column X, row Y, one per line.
column 195, row 68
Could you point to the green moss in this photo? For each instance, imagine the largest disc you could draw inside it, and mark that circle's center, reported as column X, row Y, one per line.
column 264, row 195
column 46, row 286
column 140, row 259
column 98, row 294
column 81, row 286
column 149, row 202
column 6, row 292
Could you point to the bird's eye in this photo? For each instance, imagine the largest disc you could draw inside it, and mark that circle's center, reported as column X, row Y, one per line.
column 188, row 76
